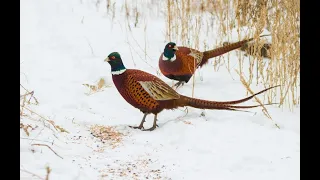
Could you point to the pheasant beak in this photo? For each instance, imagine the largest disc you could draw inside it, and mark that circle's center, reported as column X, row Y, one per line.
column 107, row 59
column 175, row 48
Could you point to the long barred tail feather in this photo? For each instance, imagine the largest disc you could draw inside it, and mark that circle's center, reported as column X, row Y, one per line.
column 224, row 49
column 204, row 104
column 239, row 108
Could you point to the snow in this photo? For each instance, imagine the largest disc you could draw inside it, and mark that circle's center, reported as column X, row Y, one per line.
column 63, row 45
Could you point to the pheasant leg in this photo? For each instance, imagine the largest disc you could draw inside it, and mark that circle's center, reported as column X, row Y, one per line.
column 141, row 124
column 154, row 124
column 178, row 84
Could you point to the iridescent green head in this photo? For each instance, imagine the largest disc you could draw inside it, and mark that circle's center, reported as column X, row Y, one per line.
column 169, row 51
column 115, row 61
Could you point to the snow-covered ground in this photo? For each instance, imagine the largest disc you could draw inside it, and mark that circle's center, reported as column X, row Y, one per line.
column 63, row 45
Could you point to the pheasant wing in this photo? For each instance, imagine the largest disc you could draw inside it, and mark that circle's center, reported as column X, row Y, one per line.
column 158, row 90
column 154, row 86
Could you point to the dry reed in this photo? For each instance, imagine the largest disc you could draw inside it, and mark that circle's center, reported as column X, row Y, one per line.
column 188, row 21
column 205, row 24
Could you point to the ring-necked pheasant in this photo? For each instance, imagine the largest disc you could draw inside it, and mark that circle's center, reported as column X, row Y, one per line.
column 179, row 63
column 151, row 95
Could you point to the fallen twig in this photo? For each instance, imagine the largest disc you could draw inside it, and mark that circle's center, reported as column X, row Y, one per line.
column 51, row 122
column 48, row 147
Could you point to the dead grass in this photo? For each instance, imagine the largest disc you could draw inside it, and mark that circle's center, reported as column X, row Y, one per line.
column 27, row 100
column 35, row 123
column 26, row 128
column 280, row 17
column 264, row 109
column 191, row 23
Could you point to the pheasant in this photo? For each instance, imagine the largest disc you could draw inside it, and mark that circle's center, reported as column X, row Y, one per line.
column 180, row 63
column 151, row 95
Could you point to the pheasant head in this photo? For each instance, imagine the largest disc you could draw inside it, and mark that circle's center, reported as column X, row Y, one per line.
column 115, row 61
column 169, row 51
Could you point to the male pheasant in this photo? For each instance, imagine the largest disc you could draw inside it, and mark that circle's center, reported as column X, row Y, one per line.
column 180, row 63
column 151, row 95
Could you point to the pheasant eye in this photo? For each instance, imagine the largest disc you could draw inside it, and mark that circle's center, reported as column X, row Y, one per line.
column 169, row 45
column 112, row 57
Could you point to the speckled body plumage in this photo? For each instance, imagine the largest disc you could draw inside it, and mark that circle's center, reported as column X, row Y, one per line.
column 133, row 92
column 182, row 68
column 187, row 60
column 150, row 94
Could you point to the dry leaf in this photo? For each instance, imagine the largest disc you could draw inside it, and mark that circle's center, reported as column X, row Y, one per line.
column 101, row 83
column 95, row 88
